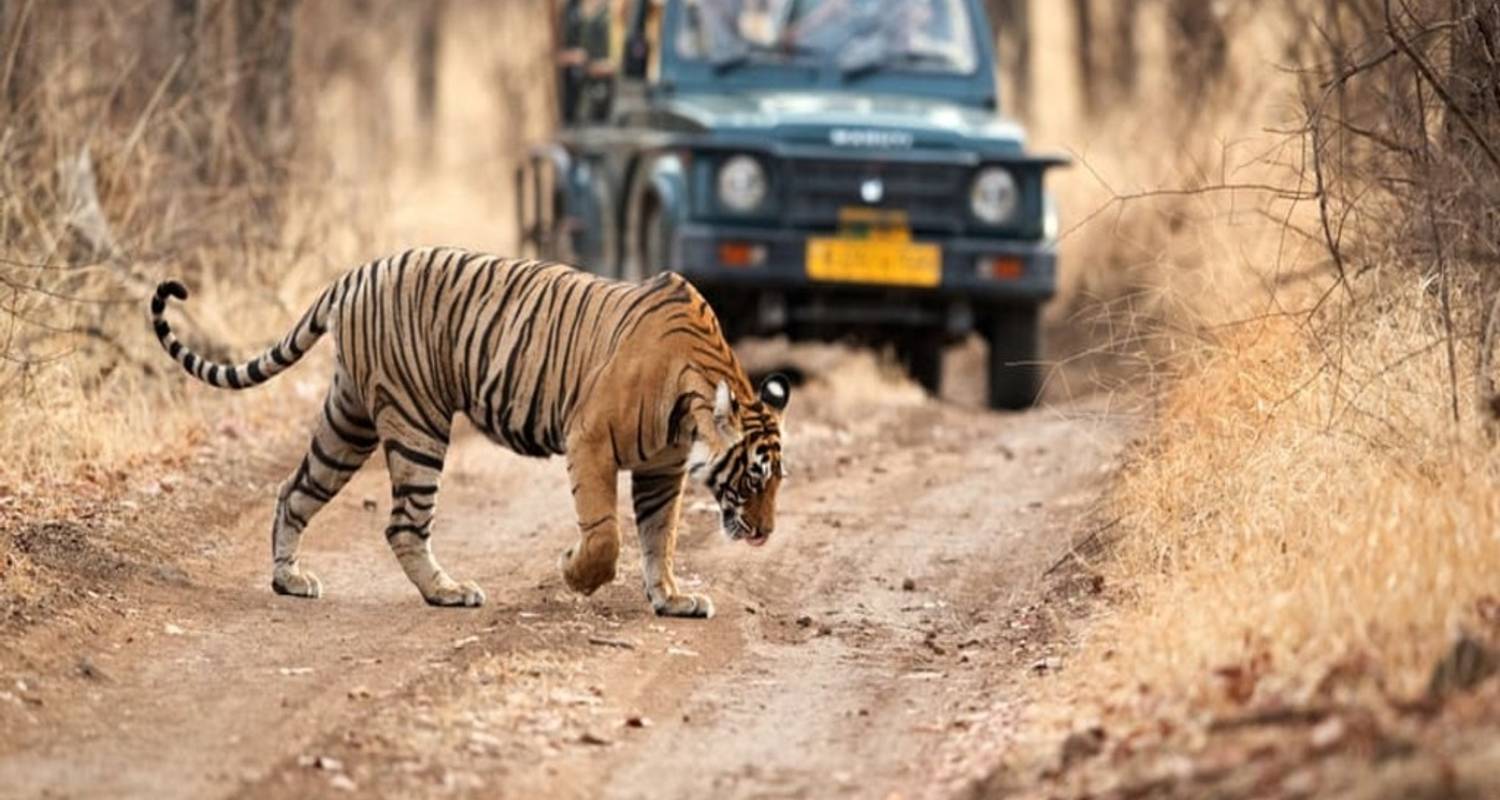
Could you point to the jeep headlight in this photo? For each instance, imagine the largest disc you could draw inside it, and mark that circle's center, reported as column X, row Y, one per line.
column 993, row 197
column 742, row 184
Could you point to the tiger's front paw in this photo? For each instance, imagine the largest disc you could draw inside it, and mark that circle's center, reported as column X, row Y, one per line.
column 584, row 575
column 463, row 595
column 297, row 583
column 684, row 605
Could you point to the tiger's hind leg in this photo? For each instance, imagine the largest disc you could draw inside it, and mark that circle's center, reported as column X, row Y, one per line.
column 344, row 439
column 657, row 497
column 416, row 465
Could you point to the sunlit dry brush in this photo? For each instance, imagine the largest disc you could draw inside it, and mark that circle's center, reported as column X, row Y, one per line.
column 253, row 149
column 221, row 144
column 1321, row 485
column 1302, row 508
column 1308, row 258
column 1184, row 209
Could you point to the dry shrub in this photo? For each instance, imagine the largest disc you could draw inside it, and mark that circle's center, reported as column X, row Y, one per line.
column 1316, row 490
column 1312, row 516
column 128, row 154
column 1306, row 502
column 1185, row 209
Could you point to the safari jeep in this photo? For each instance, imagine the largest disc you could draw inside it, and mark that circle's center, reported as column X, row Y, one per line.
column 818, row 168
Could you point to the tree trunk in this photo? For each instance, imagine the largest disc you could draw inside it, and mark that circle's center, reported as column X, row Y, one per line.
column 1200, row 47
column 1012, row 23
column 429, row 52
column 264, row 107
column 1083, row 20
column 1124, row 56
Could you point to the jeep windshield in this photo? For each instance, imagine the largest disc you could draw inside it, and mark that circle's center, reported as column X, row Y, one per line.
column 855, row 37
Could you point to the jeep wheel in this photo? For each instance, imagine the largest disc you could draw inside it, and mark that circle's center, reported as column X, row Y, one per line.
column 1015, row 339
column 921, row 355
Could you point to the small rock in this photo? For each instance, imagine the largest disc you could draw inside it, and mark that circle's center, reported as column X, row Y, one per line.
column 343, row 783
column 481, row 743
column 328, row 764
column 172, row 630
column 804, row 621
column 359, row 693
column 824, row 630
column 1048, row 664
column 1302, row 783
column 908, row 585
column 1081, row 745
column 1328, row 733
column 592, row 738
column 637, row 721
column 87, row 669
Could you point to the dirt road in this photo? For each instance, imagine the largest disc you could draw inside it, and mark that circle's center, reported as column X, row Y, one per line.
column 890, row 623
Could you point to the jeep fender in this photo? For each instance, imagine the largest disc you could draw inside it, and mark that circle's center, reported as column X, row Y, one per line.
column 660, row 180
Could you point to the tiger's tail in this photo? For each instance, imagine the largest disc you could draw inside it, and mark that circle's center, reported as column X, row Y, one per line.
column 267, row 365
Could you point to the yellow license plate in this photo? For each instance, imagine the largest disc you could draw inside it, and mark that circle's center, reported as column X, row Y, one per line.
column 895, row 263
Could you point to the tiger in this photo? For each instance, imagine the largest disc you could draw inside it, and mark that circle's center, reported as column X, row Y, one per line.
column 543, row 359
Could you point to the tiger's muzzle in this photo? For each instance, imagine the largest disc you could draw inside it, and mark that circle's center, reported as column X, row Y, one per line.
column 738, row 529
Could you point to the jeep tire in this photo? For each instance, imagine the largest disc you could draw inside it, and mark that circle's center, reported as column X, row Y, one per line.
column 1015, row 351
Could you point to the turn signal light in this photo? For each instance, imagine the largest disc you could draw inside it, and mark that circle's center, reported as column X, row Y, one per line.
column 1000, row 269
column 741, row 254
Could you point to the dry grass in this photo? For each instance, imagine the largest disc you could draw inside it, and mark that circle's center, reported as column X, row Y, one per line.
column 1306, row 502
column 1305, row 521
column 84, row 389
column 93, row 415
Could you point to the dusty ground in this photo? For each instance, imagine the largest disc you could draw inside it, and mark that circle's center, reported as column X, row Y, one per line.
column 893, row 621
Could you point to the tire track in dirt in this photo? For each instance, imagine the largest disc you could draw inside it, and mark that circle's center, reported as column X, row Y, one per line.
column 846, row 656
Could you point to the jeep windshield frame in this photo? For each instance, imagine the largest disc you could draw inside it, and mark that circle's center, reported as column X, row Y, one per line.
column 870, row 54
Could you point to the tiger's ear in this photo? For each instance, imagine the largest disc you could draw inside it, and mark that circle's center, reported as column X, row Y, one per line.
column 775, row 391
column 725, row 408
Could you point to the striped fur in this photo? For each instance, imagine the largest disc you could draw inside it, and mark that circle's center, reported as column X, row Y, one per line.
column 543, row 359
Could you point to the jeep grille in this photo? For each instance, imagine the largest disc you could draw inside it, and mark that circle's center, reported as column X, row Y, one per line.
column 934, row 196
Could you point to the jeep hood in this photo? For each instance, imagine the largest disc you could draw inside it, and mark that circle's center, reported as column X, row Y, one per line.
column 847, row 119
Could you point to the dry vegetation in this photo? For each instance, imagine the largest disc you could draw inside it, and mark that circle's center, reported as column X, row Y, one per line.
column 254, row 148
column 1303, row 553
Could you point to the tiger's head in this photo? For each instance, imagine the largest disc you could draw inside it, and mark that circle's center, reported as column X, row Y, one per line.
column 740, row 459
